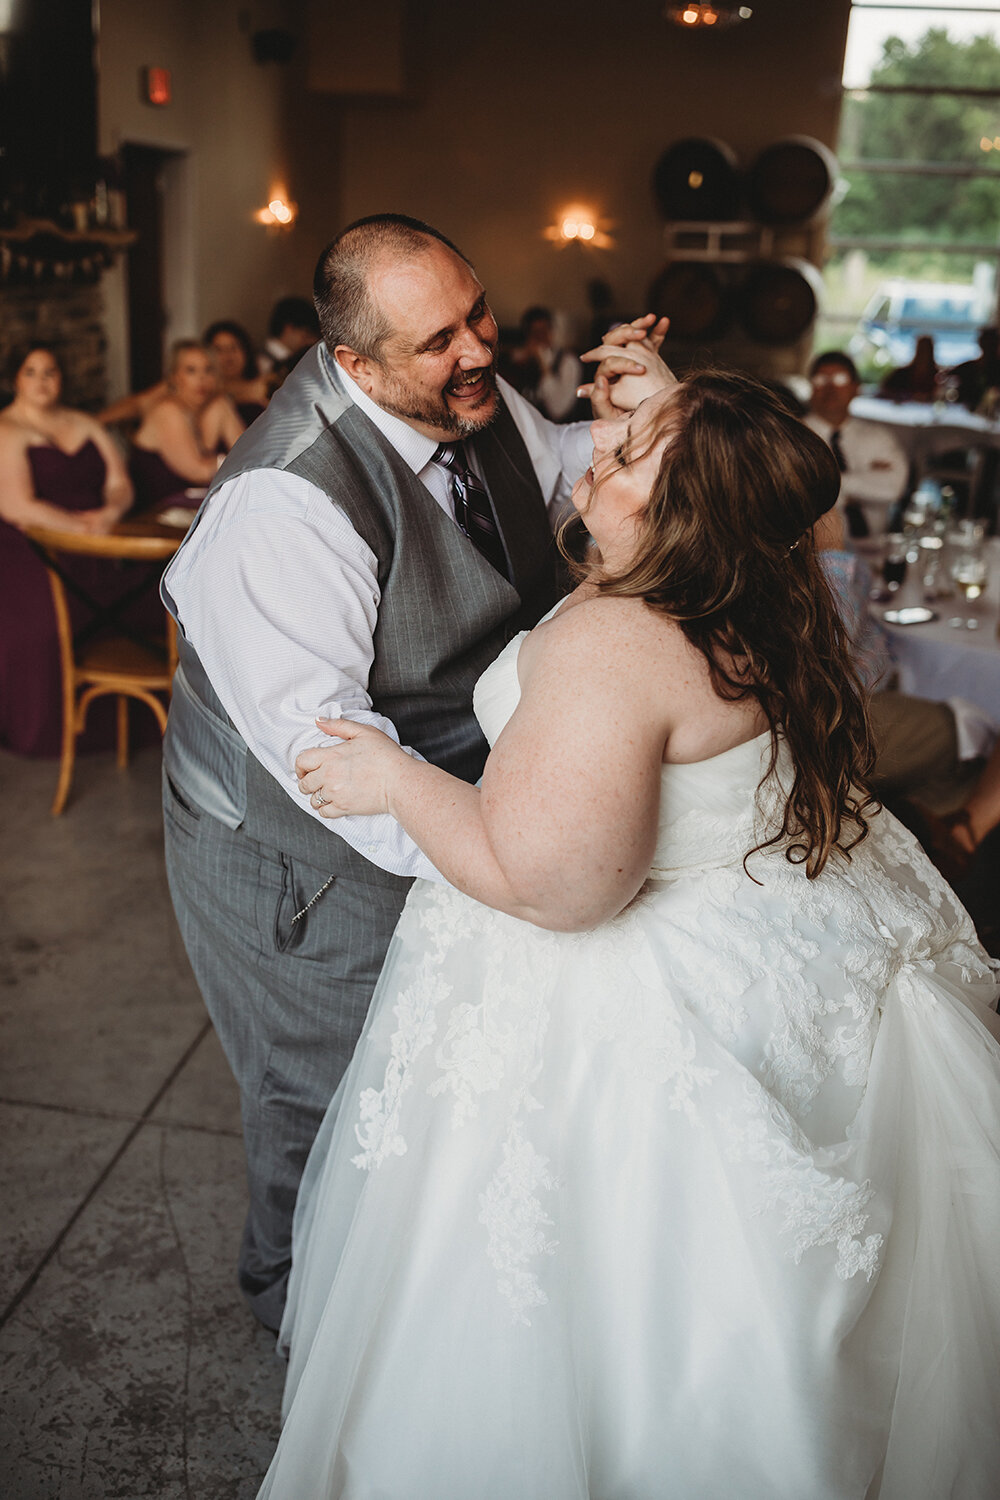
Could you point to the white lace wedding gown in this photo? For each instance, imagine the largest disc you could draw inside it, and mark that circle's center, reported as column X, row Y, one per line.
column 701, row 1205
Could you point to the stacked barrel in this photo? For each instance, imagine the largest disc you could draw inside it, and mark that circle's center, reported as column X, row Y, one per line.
column 740, row 278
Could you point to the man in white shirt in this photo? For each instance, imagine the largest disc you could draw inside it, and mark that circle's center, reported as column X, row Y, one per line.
column 293, row 328
column 873, row 465
column 351, row 559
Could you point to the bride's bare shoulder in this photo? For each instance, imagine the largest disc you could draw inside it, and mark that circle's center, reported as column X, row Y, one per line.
column 593, row 618
column 605, row 632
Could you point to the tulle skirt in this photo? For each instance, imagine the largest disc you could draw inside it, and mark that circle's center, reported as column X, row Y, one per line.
column 705, row 1203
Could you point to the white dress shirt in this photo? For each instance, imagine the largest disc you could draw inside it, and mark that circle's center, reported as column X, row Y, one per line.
column 877, row 466
column 279, row 595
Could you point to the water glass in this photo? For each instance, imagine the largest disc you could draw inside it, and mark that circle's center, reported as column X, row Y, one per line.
column 894, row 561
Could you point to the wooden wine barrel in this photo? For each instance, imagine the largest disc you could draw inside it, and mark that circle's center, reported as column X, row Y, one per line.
column 779, row 300
column 692, row 294
column 791, row 181
column 698, row 179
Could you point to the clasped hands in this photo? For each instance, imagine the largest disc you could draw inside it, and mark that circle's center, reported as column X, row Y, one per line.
column 355, row 776
column 629, row 367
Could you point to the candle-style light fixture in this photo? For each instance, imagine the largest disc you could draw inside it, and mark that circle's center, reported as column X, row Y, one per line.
column 580, row 224
column 706, row 14
column 279, row 212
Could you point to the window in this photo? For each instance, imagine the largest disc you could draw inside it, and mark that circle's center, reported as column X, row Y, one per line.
column 915, row 234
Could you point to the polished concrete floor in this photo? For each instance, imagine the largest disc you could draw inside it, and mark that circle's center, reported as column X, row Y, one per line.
column 128, row 1364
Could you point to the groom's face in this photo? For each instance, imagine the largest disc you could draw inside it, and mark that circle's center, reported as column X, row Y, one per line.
column 437, row 368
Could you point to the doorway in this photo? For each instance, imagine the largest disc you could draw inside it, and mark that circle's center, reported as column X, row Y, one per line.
column 159, row 262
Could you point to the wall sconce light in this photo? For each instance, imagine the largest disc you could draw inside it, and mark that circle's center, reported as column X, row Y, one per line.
column 278, row 212
column 701, row 13
column 580, row 224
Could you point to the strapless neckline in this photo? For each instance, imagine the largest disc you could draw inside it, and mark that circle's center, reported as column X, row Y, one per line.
column 55, row 448
column 483, row 693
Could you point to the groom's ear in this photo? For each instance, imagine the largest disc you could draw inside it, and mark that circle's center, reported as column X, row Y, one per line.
column 356, row 366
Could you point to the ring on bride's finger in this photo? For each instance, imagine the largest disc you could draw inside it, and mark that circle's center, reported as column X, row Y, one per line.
column 318, row 800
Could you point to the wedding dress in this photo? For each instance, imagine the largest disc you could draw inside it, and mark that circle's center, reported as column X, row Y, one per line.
column 701, row 1205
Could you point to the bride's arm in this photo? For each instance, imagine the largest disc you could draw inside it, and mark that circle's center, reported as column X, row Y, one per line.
column 563, row 831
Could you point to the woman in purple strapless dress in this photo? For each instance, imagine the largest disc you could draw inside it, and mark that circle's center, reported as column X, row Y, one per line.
column 59, row 468
column 177, row 447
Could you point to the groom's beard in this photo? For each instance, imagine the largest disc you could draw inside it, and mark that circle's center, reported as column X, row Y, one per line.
column 401, row 401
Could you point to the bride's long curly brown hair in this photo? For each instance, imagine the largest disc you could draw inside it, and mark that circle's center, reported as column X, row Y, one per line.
column 725, row 549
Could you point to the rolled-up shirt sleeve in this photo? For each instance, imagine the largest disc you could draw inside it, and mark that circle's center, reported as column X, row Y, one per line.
column 279, row 596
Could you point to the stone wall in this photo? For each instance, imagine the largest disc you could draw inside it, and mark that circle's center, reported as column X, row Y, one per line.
column 71, row 319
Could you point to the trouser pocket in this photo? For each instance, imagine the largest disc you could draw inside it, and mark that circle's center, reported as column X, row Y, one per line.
column 302, row 889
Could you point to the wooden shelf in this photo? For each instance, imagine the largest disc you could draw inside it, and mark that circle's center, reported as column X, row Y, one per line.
column 741, row 241
column 26, row 230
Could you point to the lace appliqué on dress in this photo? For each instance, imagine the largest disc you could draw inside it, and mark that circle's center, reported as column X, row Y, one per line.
column 491, row 1041
column 818, row 1206
column 415, row 1013
column 628, row 1006
column 515, row 1221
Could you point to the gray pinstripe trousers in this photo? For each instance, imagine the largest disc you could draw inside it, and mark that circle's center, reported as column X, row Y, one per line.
column 288, row 1001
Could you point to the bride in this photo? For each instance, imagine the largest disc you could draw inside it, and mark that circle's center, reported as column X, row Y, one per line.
column 667, row 1162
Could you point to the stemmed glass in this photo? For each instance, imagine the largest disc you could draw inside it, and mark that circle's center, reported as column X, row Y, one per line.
column 968, row 569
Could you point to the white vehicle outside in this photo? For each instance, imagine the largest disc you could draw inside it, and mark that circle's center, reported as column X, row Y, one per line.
column 899, row 311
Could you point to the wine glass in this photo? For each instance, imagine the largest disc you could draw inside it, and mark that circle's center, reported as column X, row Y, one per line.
column 968, row 570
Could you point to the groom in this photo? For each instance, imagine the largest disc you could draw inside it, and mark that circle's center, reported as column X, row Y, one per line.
column 366, row 550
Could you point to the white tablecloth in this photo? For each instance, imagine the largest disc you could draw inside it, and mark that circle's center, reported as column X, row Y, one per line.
column 924, row 427
column 940, row 661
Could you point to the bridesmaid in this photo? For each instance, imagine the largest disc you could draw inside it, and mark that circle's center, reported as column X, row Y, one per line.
column 59, row 468
column 177, row 447
column 236, row 367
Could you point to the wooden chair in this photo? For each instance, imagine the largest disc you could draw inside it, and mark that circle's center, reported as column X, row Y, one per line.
column 124, row 664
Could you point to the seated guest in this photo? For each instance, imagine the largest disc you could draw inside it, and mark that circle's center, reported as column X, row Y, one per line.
column 293, row 328
column 177, row 448
column 955, row 838
column 237, row 375
column 58, row 468
column 874, row 469
column 975, row 377
column 917, row 381
column 544, row 374
column 236, row 368
column 917, row 740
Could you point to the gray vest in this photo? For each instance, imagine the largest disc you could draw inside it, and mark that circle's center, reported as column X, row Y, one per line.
column 444, row 614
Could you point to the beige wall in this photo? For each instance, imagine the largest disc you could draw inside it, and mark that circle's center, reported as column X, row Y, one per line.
column 523, row 106
column 230, row 117
column 503, row 113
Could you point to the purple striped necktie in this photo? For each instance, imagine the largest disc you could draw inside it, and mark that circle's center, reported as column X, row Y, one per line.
column 473, row 510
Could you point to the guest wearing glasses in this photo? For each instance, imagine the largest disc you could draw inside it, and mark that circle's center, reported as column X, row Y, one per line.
column 874, row 468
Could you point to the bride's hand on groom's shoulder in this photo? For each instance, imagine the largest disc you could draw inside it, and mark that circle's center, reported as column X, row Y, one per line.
column 354, row 776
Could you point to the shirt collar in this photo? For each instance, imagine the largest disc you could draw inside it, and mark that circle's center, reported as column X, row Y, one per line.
column 414, row 448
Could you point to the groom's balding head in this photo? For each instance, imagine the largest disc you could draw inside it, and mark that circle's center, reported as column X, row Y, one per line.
column 349, row 312
column 405, row 318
